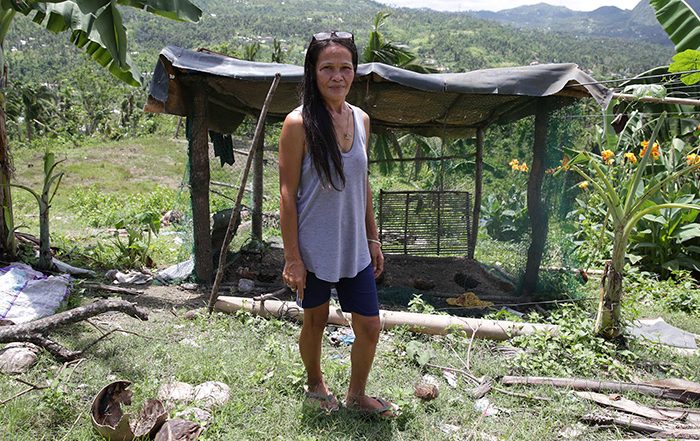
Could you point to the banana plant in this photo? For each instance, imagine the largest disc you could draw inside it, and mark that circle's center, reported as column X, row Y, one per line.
column 48, row 191
column 680, row 21
column 627, row 193
column 96, row 26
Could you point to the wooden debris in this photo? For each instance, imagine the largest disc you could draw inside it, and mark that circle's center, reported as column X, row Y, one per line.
column 625, row 405
column 114, row 289
column 627, row 422
column 670, row 391
column 35, row 331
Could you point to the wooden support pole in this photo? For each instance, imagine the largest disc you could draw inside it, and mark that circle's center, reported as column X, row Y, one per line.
column 536, row 210
column 199, row 187
column 232, row 226
column 256, row 229
column 478, row 182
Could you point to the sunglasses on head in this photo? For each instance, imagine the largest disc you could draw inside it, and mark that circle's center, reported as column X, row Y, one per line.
column 340, row 35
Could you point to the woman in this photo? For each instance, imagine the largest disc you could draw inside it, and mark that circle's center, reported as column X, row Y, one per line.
column 327, row 220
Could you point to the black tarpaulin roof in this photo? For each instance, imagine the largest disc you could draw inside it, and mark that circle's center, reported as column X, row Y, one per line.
column 453, row 104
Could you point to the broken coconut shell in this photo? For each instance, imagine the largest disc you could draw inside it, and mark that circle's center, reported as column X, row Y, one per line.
column 111, row 422
column 427, row 388
column 179, row 430
column 107, row 416
column 151, row 418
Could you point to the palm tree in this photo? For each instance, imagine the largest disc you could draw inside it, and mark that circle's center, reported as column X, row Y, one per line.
column 95, row 26
column 380, row 49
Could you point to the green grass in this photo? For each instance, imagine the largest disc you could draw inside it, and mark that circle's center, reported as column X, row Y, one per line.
column 258, row 359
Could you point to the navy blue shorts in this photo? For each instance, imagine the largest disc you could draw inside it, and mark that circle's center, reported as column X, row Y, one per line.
column 356, row 294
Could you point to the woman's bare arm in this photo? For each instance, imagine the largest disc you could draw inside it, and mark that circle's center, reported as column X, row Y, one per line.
column 291, row 154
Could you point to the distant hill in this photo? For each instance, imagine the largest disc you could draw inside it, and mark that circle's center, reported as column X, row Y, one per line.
column 449, row 41
column 609, row 21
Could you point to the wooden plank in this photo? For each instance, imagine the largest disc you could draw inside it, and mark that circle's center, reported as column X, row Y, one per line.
column 625, row 405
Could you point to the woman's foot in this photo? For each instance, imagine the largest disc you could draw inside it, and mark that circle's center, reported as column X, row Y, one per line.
column 320, row 395
column 372, row 406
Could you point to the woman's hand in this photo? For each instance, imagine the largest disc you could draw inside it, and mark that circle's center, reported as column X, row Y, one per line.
column 375, row 250
column 294, row 276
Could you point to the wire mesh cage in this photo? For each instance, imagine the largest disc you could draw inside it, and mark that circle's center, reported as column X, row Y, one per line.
column 424, row 223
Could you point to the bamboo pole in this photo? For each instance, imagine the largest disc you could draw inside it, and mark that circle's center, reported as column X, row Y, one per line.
column 651, row 99
column 237, row 207
column 424, row 323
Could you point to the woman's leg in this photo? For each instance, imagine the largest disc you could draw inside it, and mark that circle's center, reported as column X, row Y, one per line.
column 315, row 320
column 366, row 331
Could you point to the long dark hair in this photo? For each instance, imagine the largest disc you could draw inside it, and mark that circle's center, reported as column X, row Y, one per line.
column 320, row 135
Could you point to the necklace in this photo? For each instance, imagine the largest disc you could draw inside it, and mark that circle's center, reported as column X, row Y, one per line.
column 346, row 134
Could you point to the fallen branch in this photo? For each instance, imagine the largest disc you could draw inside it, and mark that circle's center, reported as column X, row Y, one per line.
column 115, row 289
column 22, row 392
column 34, row 331
column 627, row 423
column 682, row 395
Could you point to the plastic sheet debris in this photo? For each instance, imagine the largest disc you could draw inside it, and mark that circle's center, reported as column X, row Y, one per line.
column 341, row 336
column 450, row 377
column 131, row 278
column 485, row 406
column 176, row 273
column 245, row 285
column 657, row 330
column 27, row 294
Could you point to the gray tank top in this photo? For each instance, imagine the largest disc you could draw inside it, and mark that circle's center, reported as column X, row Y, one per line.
column 332, row 234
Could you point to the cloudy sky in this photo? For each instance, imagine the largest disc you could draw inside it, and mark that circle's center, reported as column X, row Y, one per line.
column 497, row 5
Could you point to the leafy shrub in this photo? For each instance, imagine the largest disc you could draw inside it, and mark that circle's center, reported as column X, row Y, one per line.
column 505, row 215
column 574, row 351
column 678, row 293
column 100, row 209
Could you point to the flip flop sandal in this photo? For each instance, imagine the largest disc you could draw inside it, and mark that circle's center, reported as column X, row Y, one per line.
column 328, row 403
column 387, row 406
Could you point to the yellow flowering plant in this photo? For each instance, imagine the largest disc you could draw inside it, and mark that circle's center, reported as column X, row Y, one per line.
column 627, row 193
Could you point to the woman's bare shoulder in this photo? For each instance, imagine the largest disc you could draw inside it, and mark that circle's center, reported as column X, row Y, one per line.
column 294, row 118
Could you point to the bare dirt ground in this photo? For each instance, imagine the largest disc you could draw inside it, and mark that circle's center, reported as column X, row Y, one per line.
column 434, row 278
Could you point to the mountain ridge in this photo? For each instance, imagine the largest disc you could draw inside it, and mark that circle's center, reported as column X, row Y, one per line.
column 638, row 23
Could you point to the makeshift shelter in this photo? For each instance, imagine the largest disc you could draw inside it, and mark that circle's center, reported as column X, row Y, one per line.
column 216, row 92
